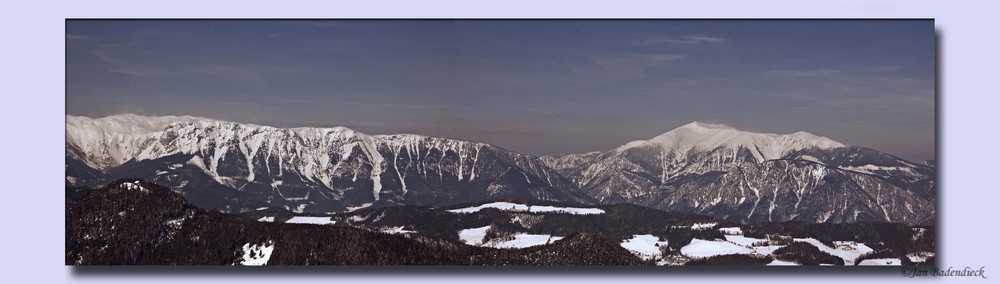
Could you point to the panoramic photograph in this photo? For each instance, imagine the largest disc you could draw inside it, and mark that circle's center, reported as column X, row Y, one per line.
column 469, row 142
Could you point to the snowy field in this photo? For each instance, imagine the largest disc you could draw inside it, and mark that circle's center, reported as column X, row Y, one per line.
column 647, row 246
column 699, row 248
column 739, row 244
column 473, row 236
column 765, row 250
column 782, row 263
column 522, row 240
column 644, row 246
column 848, row 251
column 516, row 207
column 570, row 210
column 507, row 206
column 310, row 220
column 743, row 241
column 881, row 261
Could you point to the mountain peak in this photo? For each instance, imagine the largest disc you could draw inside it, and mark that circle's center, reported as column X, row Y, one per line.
column 698, row 125
column 709, row 136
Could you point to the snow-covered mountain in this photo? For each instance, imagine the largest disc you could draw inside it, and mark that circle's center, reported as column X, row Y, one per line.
column 717, row 170
column 234, row 166
column 697, row 168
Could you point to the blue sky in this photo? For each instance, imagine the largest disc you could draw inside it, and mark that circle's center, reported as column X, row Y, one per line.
column 533, row 86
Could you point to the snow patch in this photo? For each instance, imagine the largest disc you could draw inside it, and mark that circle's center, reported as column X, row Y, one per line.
column 918, row 233
column 818, row 173
column 872, row 169
column 370, row 150
column 517, row 207
column 498, row 205
column 703, row 226
column 396, row 230
column 356, row 208
column 570, row 210
column 257, row 255
column 266, row 219
column 473, row 236
column 310, row 220
column 881, row 262
column 522, row 240
column 778, row 262
column 920, row 256
column 134, row 186
column 731, row 231
column 810, row 158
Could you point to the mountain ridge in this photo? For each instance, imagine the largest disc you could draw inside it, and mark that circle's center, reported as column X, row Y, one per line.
column 307, row 169
column 326, row 168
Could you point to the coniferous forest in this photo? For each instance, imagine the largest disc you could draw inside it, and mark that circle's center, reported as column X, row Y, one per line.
column 132, row 222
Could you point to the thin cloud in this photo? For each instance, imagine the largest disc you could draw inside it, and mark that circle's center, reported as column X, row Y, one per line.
column 631, row 61
column 243, row 75
column 813, row 73
column 688, row 40
column 619, row 66
column 144, row 72
column 108, row 58
column 883, row 68
column 661, row 58
column 608, row 60
column 78, row 37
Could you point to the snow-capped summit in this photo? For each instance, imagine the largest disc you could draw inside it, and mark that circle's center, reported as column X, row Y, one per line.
column 702, row 136
column 704, row 126
column 127, row 123
column 717, row 169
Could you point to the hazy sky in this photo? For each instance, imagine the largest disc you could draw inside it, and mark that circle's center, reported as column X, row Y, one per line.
column 538, row 87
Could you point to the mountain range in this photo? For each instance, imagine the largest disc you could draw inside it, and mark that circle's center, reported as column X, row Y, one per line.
column 699, row 168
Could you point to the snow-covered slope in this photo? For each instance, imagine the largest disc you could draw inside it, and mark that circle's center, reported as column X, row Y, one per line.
column 699, row 136
column 744, row 176
column 697, row 168
column 225, row 164
column 692, row 149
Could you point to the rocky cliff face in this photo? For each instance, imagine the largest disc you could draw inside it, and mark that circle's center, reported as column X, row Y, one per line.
column 235, row 166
